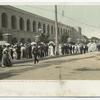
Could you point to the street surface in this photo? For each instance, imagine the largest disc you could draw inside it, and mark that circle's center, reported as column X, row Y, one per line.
column 77, row 67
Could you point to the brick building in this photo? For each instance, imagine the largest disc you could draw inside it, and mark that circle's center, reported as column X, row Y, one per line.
column 17, row 24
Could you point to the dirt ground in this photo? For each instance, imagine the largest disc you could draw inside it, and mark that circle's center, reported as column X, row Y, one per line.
column 65, row 68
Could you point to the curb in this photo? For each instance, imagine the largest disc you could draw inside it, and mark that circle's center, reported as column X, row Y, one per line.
column 46, row 58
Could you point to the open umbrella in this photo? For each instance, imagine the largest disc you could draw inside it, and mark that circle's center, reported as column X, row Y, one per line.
column 33, row 43
column 7, row 44
column 51, row 42
column 4, row 43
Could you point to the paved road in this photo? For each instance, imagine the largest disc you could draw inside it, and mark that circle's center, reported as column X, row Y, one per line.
column 78, row 67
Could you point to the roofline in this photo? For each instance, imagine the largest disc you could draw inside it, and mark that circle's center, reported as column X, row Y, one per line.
column 32, row 14
column 23, row 11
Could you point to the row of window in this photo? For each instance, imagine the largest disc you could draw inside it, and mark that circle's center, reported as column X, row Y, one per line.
column 4, row 20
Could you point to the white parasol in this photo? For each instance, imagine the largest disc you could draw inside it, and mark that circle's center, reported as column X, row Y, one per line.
column 7, row 44
column 51, row 42
column 4, row 43
column 33, row 43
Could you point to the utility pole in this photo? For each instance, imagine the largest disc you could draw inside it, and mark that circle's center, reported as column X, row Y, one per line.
column 56, row 31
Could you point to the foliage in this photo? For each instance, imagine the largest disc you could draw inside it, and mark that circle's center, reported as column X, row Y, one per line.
column 64, row 38
column 94, row 38
column 44, row 38
column 29, row 40
column 22, row 40
column 86, row 39
column 14, row 40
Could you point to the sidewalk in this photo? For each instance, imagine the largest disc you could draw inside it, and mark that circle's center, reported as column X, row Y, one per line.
column 19, row 66
column 45, row 58
column 52, row 57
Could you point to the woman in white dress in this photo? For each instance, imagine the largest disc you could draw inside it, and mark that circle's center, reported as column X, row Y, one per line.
column 51, row 53
column 14, row 53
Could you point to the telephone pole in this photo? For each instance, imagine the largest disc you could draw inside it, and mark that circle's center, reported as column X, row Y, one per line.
column 56, row 31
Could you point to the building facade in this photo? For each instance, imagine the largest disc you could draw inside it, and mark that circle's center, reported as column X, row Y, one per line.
column 19, row 25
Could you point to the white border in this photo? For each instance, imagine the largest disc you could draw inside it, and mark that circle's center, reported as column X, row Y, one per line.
column 51, row 87
column 49, row 2
column 43, row 1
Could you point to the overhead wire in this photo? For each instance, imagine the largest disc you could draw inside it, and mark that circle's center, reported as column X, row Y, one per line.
column 67, row 17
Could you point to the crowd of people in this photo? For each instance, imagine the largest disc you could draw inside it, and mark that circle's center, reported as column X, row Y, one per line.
column 38, row 51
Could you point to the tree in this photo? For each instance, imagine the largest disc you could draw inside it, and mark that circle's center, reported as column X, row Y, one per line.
column 29, row 40
column 22, row 40
column 64, row 38
column 85, row 39
column 14, row 40
column 94, row 38
column 44, row 38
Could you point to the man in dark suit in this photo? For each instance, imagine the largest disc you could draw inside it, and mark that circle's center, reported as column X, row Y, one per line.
column 36, row 54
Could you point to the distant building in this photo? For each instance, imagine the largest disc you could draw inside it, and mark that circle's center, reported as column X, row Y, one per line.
column 19, row 25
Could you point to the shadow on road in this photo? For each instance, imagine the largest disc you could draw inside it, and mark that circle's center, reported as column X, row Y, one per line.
column 6, row 75
column 27, row 67
column 88, row 69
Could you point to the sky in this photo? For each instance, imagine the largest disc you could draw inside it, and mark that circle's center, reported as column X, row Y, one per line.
column 85, row 16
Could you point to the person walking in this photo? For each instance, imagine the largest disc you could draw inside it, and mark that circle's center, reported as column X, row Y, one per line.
column 36, row 54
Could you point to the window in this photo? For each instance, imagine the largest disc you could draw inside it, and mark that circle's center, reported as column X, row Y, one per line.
column 4, row 20
column 66, row 31
column 39, row 25
column 44, row 29
column 34, row 26
column 51, row 29
column 13, row 22
column 61, row 30
column 48, row 29
column 21, row 23
column 28, row 25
